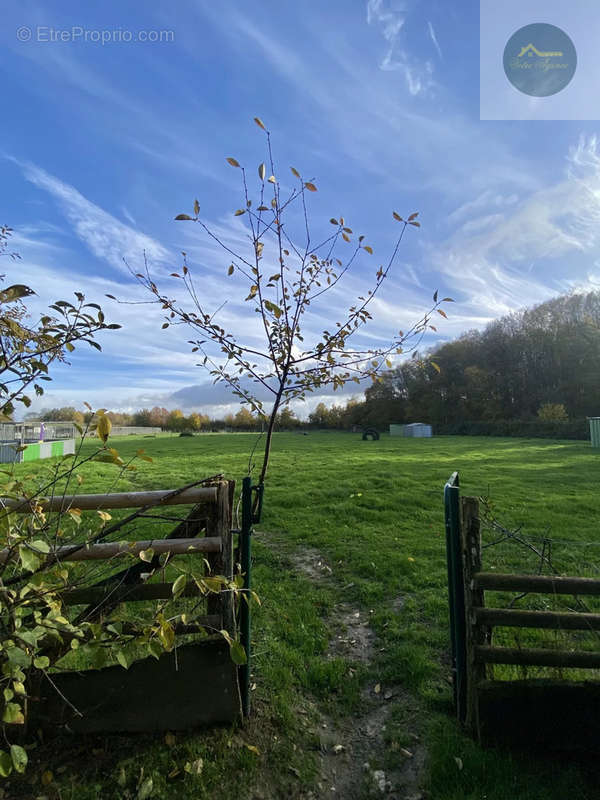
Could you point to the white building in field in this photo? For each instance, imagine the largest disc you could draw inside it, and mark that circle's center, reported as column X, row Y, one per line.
column 415, row 429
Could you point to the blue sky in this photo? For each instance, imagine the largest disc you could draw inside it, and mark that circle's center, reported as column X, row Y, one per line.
column 102, row 145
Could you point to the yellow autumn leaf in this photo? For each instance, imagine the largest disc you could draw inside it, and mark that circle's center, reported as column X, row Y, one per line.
column 47, row 778
column 103, row 428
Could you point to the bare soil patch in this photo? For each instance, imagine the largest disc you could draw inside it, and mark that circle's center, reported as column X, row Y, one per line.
column 353, row 748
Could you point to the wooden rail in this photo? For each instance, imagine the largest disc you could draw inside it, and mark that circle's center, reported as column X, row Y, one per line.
column 119, row 593
column 556, row 620
column 544, row 584
column 94, row 502
column 537, row 657
column 482, row 620
column 93, row 552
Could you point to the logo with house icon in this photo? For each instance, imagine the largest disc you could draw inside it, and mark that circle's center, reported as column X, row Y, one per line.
column 531, row 50
column 540, row 59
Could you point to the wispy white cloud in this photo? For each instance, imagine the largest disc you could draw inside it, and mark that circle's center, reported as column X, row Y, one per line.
column 433, row 38
column 128, row 216
column 105, row 236
column 361, row 115
column 391, row 20
column 116, row 110
column 485, row 200
column 504, row 261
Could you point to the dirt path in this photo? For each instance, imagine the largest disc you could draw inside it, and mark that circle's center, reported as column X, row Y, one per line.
column 353, row 748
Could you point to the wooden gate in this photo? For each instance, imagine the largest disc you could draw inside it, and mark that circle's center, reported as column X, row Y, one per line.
column 195, row 684
column 542, row 712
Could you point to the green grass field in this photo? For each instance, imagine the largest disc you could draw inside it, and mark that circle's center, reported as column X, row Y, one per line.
column 374, row 511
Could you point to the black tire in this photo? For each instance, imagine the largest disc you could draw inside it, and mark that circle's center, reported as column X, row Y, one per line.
column 370, row 433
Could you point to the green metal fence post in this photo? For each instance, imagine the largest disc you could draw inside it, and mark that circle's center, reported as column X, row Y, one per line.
column 595, row 431
column 456, row 594
column 249, row 517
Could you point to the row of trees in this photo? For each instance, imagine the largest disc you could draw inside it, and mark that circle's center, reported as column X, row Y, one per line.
column 549, row 354
column 540, row 363
column 174, row 420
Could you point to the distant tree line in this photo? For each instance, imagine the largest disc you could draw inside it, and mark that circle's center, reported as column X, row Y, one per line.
column 540, row 366
column 175, row 420
column 537, row 369
column 534, row 370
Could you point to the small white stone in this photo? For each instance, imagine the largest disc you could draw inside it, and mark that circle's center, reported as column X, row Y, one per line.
column 379, row 778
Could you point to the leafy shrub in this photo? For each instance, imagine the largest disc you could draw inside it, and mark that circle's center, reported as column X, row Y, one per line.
column 553, row 412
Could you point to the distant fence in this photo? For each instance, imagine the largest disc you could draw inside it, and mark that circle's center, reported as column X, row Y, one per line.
column 534, row 429
column 545, row 712
column 132, row 430
column 24, row 432
column 32, row 440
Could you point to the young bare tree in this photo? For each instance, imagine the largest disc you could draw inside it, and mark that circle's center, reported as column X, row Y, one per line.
column 288, row 281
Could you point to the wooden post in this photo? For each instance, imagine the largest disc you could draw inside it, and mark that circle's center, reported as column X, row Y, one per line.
column 219, row 525
column 475, row 634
